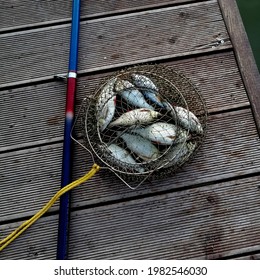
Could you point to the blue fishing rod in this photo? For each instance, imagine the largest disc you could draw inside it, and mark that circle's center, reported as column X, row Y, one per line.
column 64, row 212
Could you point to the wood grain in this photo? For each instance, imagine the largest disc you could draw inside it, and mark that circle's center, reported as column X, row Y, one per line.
column 29, row 178
column 209, row 222
column 206, row 223
column 209, row 210
column 249, row 257
column 244, row 54
column 110, row 42
column 30, row 13
column 28, row 246
column 34, row 115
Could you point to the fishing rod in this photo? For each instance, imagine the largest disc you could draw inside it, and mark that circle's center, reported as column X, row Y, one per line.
column 64, row 211
column 149, row 104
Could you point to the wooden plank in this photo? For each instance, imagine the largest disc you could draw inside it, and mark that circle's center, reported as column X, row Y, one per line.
column 204, row 223
column 244, row 54
column 32, row 171
column 250, row 257
column 30, row 177
column 115, row 41
column 31, row 13
column 29, row 246
column 34, row 115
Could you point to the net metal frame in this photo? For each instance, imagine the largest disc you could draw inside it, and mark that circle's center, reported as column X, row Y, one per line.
column 173, row 87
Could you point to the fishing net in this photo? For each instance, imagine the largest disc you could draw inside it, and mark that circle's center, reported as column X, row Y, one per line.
column 144, row 121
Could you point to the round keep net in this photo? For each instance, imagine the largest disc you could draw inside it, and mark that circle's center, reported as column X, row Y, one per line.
column 144, row 121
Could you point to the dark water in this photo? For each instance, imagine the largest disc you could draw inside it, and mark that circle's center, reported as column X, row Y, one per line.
column 250, row 13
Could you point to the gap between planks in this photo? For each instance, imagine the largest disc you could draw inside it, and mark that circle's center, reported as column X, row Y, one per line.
column 85, row 8
column 118, row 66
column 216, row 75
column 46, row 54
column 37, row 171
column 209, row 222
column 244, row 54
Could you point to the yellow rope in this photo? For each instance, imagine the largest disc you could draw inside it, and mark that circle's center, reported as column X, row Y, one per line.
column 6, row 241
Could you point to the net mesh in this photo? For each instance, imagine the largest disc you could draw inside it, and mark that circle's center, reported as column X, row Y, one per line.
column 144, row 121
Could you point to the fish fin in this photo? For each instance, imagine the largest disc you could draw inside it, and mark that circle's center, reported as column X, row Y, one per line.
column 115, row 100
column 111, row 124
column 171, row 137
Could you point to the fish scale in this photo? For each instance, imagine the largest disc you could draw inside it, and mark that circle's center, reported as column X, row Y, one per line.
column 132, row 95
column 185, row 118
column 160, row 132
column 106, row 93
column 178, row 153
column 153, row 96
column 143, row 81
column 135, row 117
column 163, row 133
column 106, row 115
column 124, row 156
column 140, row 146
column 188, row 120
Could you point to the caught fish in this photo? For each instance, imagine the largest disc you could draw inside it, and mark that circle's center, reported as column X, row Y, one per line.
column 169, row 108
column 135, row 98
column 186, row 118
column 136, row 117
column 105, row 116
column 106, row 93
column 178, row 154
column 143, row 82
column 124, row 156
column 132, row 95
column 161, row 133
column 140, row 146
column 153, row 96
column 121, row 85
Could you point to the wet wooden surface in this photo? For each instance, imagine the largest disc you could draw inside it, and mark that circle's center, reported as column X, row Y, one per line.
column 208, row 210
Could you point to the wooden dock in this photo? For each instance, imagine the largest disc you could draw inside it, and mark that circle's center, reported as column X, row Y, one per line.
column 208, row 210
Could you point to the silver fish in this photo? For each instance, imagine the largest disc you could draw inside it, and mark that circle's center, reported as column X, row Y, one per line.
column 153, row 96
column 140, row 146
column 186, row 118
column 161, row 133
column 169, row 108
column 132, row 95
column 143, row 81
column 124, row 156
column 105, row 116
column 136, row 117
column 106, row 93
column 178, row 154
column 135, row 98
column 121, row 85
